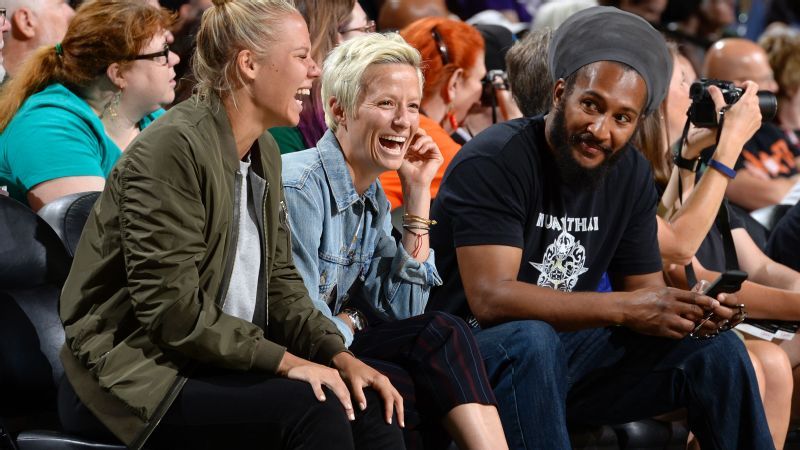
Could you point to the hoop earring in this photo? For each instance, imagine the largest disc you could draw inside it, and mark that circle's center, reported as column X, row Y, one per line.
column 451, row 117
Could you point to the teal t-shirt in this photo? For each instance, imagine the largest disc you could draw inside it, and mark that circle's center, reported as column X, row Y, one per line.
column 55, row 134
column 289, row 139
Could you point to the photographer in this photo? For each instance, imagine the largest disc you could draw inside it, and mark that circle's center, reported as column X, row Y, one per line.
column 768, row 167
column 683, row 224
column 496, row 103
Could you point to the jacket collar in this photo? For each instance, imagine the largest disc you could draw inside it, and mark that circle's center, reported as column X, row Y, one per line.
column 339, row 179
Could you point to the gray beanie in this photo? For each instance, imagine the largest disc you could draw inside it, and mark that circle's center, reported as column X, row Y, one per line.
column 604, row 33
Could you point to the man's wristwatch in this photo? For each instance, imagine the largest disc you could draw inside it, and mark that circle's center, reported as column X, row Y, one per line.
column 356, row 318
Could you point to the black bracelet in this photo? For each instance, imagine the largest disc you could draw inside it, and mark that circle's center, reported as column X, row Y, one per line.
column 689, row 164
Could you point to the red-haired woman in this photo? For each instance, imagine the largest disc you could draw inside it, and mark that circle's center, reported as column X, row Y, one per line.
column 72, row 108
column 453, row 55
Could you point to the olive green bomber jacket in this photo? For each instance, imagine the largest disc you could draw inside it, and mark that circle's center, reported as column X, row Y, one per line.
column 143, row 300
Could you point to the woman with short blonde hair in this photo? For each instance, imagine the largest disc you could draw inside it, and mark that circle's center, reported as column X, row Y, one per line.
column 374, row 289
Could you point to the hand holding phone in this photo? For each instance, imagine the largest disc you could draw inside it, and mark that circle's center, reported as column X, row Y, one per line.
column 728, row 283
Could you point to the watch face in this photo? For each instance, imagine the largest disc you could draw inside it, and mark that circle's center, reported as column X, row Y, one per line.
column 357, row 318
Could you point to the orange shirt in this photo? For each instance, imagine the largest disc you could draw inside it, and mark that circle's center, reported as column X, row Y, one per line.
column 390, row 181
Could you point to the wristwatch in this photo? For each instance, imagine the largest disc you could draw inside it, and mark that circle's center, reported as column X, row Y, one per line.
column 355, row 316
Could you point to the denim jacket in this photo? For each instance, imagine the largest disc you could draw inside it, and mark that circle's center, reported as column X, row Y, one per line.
column 340, row 238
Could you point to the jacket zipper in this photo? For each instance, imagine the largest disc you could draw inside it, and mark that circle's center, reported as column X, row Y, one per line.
column 233, row 232
column 263, row 271
column 230, row 248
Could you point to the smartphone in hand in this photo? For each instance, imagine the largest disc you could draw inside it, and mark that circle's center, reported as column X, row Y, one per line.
column 728, row 282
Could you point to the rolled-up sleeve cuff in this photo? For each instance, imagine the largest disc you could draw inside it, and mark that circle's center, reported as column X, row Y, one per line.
column 413, row 271
column 344, row 329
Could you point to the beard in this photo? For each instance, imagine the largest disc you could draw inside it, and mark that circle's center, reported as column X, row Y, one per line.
column 572, row 172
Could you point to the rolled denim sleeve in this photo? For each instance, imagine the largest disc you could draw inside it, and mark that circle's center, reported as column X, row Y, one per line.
column 306, row 223
column 398, row 285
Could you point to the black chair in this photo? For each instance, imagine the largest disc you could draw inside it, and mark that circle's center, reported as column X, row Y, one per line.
column 67, row 216
column 593, row 438
column 33, row 267
column 652, row 434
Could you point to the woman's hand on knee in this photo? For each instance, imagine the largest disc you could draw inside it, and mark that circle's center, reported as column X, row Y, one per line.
column 359, row 376
column 317, row 375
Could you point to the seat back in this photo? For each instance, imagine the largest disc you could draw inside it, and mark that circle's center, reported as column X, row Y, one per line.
column 33, row 267
column 67, row 216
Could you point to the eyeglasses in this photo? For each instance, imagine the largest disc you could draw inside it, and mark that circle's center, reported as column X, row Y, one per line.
column 2, row 17
column 368, row 28
column 737, row 318
column 156, row 55
column 440, row 46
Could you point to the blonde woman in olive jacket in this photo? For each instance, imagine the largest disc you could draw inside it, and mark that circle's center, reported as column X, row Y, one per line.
column 186, row 321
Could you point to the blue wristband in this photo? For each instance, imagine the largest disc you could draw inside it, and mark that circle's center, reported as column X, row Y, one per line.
column 722, row 168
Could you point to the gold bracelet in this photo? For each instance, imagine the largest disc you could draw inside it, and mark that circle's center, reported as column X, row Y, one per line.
column 408, row 226
column 414, row 218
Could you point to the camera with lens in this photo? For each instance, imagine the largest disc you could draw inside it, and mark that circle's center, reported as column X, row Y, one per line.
column 703, row 113
column 494, row 79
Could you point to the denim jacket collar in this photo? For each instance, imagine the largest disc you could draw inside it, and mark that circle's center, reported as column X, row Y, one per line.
column 339, row 179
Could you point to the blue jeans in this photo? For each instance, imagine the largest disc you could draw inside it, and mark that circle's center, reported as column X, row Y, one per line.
column 543, row 379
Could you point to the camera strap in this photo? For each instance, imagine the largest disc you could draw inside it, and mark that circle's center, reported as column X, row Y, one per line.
column 678, row 149
column 722, row 220
column 723, row 224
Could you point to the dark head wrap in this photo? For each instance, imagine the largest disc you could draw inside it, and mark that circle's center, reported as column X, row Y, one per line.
column 604, row 33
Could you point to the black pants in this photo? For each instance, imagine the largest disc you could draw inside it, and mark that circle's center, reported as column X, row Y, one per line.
column 234, row 410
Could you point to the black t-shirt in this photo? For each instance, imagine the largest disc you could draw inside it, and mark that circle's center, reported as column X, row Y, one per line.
column 769, row 153
column 504, row 188
column 784, row 241
column 711, row 252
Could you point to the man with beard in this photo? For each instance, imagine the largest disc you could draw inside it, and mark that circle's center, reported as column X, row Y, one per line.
column 533, row 211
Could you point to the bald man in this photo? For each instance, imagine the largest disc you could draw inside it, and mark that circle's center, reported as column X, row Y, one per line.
column 768, row 167
column 396, row 14
column 33, row 23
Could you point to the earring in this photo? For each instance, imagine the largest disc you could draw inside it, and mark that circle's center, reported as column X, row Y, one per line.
column 113, row 106
column 451, row 117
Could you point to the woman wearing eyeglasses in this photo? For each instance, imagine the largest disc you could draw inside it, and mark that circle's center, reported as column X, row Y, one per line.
column 454, row 67
column 71, row 110
column 330, row 22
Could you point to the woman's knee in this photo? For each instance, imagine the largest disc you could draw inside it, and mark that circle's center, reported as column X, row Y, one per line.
column 774, row 361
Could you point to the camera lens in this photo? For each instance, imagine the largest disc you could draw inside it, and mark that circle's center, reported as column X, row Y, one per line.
column 768, row 104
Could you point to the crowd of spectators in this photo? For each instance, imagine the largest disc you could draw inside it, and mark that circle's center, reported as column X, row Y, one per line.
column 468, row 221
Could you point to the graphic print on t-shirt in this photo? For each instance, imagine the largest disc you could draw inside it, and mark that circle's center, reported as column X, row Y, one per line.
column 565, row 258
